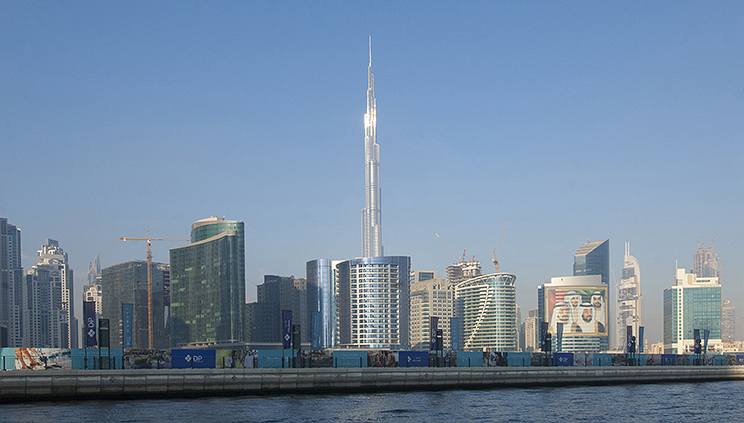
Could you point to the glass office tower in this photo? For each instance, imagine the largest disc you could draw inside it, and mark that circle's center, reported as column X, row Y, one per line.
column 320, row 275
column 692, row 303
column 208, row 284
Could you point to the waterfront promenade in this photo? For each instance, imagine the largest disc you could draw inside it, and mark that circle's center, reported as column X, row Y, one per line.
column 22, row 386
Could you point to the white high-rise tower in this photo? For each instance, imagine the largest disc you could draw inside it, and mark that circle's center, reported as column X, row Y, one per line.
column 629, row 300
column 372, row 214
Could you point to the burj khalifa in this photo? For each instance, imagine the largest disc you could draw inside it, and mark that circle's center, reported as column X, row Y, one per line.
column 372, row 213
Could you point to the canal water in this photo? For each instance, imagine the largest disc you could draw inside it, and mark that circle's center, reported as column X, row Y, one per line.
column 710, row 401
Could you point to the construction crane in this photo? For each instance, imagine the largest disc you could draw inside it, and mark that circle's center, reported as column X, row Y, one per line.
column 448, row 248
column 496, row 257
column 150, row 320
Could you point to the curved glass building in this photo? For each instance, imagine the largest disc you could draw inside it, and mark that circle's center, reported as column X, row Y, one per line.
column 208, row 283
column 486, row 307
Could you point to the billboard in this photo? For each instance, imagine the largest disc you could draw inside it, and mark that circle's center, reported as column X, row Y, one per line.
column 581, row 310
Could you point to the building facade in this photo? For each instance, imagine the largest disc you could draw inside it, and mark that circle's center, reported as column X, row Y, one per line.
column 532, row 331
column 48, row 302
column 486, row 307
column 373, row 302
column 462, row 271
column 593, row 258
column 705, row 263
column 208, row 284
column 691, row 303
column 575, row 308
column 92, row 291
column 629, row 300
column 728, row 322
column 279, row 293
column 125, row 285
column 11, row 286
column 430, row 297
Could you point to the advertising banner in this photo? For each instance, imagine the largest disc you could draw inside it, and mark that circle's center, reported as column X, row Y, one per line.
column 232, row 359
column 582, row 310
column 668, row 359
column 89, row 317
column 321, row 358
column 563, row 359
column 287, row 329
column 42, row 358
column 495, row 359
column 127, row 315
column 193, row 359
column 414, row 358
column 382, row 358
column 640, row 339
column 629, row 339
column 135, row 358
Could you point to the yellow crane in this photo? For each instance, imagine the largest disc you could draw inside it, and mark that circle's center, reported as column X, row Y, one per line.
column 496, row 257
column 150, row 321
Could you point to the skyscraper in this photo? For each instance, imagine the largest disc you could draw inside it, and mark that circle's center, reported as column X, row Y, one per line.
column 48, row 313
column 208, row 283
column 706, row 263
column 126, row 283
column 629, row 300
column 279, row 293
column 373, row 302
column 372, row 213
column 321, row 297
column 575, row 308
column 593, row 258
column 693, row 302
column 728, row 322
column 430, row 297
column 486, row 307
column 11, row 285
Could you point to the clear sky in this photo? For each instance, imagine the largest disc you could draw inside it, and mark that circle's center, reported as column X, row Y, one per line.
column 569, row 120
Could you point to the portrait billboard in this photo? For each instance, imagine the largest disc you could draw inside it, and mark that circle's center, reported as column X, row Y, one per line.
column 581, row 310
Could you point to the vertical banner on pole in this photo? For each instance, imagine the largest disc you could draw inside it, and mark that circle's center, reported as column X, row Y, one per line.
column 696, row 336
column 433, row 326
column 315, row 330
column 706, row 333
column 127, row 315
column 89, row 316
column 455, row 333
column 287, row 329
column 640, row 339
column 629, row 339
column 559, row 337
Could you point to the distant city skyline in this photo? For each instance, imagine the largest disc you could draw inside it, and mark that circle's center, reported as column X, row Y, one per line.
column 572, row 122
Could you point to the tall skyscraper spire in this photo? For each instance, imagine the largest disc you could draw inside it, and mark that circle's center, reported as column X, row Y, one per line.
column 372, row 213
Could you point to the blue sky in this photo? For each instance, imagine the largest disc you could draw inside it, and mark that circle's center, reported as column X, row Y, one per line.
column 569, row 120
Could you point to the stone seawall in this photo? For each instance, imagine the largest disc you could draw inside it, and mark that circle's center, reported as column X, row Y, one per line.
column 22, row 386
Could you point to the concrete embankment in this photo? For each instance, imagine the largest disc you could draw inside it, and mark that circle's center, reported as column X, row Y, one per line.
column 22, row 386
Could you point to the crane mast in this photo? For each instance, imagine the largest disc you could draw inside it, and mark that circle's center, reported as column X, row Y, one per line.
column 150, row 318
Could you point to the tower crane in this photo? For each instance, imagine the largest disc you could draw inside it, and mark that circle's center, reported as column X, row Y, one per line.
column 496, row 257
column 150, row 320
column 448, row 248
